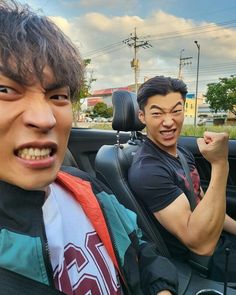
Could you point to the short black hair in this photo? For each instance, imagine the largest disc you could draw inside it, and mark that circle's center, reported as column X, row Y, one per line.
column 160, row 85
column 29, row 42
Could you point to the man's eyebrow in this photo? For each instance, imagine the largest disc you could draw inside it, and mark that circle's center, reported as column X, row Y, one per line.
column 177, row 104
column 54, row 86
column 162, row 109
column 156, row 107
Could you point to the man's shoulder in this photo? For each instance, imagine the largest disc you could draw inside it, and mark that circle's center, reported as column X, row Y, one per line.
column 150, row 165
column 187, row 153
column 150, row 155
column 147, row 152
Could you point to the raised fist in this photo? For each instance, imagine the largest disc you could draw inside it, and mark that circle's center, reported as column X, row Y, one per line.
column 214, row 146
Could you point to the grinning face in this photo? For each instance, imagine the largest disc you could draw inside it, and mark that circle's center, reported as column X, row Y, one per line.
column 164, row 116
column 35, row 123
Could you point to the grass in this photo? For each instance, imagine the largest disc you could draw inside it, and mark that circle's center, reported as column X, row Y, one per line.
column 188, row 130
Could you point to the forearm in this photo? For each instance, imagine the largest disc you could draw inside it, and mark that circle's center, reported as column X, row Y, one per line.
column 230, row 225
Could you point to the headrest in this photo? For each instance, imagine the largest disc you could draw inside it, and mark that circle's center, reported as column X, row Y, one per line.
column 125, row 111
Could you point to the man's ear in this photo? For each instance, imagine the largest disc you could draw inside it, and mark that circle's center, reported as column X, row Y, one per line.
column 141, row 116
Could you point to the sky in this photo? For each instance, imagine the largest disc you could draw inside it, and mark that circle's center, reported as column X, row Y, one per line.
column 100, row 27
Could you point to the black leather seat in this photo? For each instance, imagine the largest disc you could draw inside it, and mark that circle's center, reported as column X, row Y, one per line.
column 113, row 161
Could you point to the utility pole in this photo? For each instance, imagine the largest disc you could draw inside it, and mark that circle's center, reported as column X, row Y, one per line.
column 183, row 61
column 196, row 95
column 133, row 41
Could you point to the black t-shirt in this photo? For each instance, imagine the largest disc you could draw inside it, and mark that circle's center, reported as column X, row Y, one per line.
column 157, row 179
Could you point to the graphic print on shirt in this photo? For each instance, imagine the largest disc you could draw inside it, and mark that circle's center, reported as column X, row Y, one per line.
column 80, row 262
column 76, row 276
column 196, row 183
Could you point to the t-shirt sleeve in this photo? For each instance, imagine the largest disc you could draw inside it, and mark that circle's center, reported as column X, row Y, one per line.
column 154, row 184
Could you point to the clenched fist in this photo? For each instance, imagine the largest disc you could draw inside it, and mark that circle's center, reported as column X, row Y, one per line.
column 214, row 147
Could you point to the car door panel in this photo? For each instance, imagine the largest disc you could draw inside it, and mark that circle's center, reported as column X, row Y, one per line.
column 84, row 144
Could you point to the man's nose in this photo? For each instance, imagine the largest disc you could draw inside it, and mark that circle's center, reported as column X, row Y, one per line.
column 168, row 120
column 39, row 115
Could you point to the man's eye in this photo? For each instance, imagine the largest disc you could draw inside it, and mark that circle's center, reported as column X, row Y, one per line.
column 177, row 111
column 7, row 90
column 60, row 97
column 156, row 114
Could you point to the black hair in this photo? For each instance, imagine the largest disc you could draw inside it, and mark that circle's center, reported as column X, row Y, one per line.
column 29, row 42
column 160, row 85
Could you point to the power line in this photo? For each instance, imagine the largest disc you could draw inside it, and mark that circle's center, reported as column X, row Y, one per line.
column 108, row 51
column 219, row 26
column 206, row 67
column 163, row 36
column 104, row 48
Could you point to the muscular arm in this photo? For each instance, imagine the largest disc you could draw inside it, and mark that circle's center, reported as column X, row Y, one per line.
column 230, row 225
column 200, row 230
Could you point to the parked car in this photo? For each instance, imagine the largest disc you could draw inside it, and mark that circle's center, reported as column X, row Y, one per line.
column 100, row 120
column 90, row 146
column 88, row 119
column 202, row 121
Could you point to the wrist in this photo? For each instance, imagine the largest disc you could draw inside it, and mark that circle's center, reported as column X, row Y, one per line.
column 221, row 165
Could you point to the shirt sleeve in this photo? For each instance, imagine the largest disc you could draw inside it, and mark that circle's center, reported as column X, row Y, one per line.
column 154, row 184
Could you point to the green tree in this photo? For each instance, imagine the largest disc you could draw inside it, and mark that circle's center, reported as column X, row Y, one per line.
column 108, row 112
column 99, row 109
column 222, row 95
column 83, row 93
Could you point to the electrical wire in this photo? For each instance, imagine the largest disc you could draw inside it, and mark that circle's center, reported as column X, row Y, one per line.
column 164, row 36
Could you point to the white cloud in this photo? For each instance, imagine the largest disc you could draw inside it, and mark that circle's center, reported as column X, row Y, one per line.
column 168, row 35
column 62, row 23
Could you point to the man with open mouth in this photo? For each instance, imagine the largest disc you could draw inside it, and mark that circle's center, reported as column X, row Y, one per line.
column 59, row 233
column 165, row 177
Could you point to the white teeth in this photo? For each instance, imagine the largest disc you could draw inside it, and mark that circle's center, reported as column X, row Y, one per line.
column 34, row 153
column 167, row 132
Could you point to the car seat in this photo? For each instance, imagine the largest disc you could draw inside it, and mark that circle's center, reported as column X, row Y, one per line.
column 69, row 159
column 113, row 161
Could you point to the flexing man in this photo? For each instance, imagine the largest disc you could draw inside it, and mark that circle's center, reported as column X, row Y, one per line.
column 58, row 232
column 158, row 179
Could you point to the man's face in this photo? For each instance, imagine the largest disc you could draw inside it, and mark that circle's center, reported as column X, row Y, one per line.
column 164, row 116
column 35, row 123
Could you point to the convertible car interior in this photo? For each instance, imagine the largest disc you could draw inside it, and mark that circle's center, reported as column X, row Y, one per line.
column 111, row 163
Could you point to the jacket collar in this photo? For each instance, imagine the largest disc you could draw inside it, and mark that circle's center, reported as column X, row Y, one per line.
column 20, row 209
column 83, row 193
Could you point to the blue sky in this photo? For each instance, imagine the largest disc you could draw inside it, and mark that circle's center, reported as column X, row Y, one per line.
column 171, row 26
column 214, row 10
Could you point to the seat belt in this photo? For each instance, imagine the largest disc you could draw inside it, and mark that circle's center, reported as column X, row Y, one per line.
column 199, row 262
column 191, row 195
column 12, row 283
